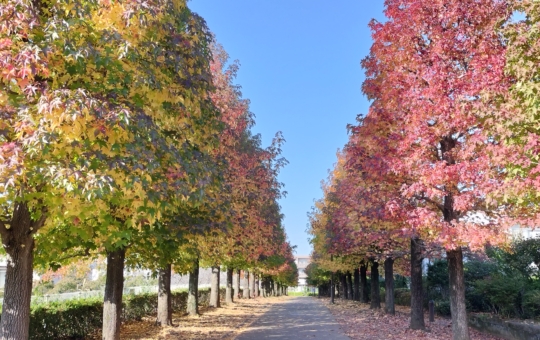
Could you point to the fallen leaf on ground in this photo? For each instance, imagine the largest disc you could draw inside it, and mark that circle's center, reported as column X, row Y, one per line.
column 361, row 323
column 223, row 323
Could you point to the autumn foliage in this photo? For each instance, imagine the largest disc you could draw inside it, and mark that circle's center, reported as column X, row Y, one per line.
column 122, row 134
column 447, row 153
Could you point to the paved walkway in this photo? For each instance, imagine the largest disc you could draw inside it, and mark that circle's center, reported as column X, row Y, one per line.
column 297, row 318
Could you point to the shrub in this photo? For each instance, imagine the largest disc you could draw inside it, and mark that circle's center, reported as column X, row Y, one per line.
column 476, row 300
column 140, row 281
column 401, row 281
column 437, row 280
column 66, row 285
column 531, row 304
column 77, row 319
column 502, row 293
column 68, row 319
column 134, row 307
column 402, row 297
column 442, row 308
column 98, row 284
column 42, row 288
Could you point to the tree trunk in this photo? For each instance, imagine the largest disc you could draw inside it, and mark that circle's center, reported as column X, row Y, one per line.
column 275, row 289
column 214, row 288
column 350, row 294
column 193, row 290
column 375, row 288
column 164, row 308
column 332, row 288
column 363, row 284
column 339, row 286
column 18, row 242
column 236, row 284
column 460, row 329
column 257, row 281
column 417, row 295
column 251, row 284
column 356, row 284
column 245, row 284
column 18, row 290
column 343, row 284
column 389, row 306
column 114, row 286
column 229, row 290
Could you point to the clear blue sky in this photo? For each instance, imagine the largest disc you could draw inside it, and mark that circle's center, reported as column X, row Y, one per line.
column 300, row 67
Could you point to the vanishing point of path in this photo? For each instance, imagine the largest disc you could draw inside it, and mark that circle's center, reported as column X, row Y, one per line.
column 295, row 318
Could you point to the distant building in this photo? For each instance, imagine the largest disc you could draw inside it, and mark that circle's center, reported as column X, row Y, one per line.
column 302, row 261
column 3, row 269
column 524, row 232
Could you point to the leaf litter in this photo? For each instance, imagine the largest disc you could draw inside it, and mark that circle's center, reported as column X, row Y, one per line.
column 223, row 323
column 361, row 323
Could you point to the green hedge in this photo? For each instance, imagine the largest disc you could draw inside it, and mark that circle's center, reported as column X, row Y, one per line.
column 62, row 320
column 77, row 319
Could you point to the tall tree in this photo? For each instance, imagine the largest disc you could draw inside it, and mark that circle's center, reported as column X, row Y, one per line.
column 428, row 66
column 96, row 142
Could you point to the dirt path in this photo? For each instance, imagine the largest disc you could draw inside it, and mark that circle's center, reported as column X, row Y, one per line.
column 262, row 318
column 223, row 323
column 295, row 318
column 289, row 318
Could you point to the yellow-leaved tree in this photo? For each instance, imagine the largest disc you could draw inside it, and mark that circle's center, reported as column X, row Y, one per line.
column 106, row 122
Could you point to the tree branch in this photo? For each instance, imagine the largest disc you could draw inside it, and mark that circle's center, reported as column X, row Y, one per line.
column 429, row 200
column 38, row 224
column 4, row 230
column 85, row 253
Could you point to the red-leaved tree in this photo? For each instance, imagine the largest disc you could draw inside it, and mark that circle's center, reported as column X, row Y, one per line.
column 428, row 66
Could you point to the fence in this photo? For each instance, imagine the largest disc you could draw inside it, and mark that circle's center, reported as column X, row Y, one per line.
column 99, row 293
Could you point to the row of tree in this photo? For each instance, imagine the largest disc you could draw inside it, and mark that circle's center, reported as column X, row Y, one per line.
column 447, row 156
column 122, row 134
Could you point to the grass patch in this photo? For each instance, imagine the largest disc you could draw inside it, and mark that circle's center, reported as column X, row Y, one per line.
column 299, row 294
